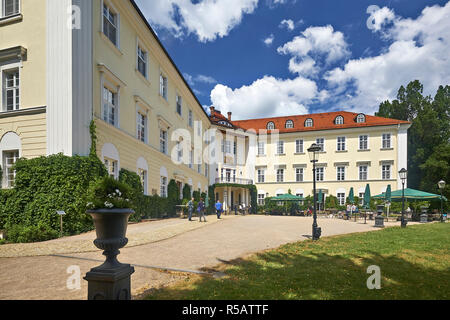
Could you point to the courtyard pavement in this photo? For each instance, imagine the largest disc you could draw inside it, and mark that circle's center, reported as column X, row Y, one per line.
column 167, row 251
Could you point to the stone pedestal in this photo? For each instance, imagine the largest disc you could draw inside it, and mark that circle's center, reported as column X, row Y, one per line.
column 379, row 221
column 424, row 218
column 113, row 284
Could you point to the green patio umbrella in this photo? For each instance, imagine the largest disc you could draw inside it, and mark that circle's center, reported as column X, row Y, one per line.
column 387, row 198
column 367, row 197
column 351, row 196
column 320, row 198
column 411, row 194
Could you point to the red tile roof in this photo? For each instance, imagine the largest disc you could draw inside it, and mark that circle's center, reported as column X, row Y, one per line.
column 322, row 121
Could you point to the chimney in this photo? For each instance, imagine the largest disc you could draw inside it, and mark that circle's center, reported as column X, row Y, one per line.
column 212, row 109
column 229, row 116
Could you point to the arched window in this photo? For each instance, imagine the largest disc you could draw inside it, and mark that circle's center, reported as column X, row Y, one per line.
column 271, row 126
column 309, row 123
column 360, row 118
column 289, row 124
column 339, row 120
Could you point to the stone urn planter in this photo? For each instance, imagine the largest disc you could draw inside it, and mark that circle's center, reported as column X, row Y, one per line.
column 112, row 279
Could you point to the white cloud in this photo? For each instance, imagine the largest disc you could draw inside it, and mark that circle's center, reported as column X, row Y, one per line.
column 266, row 97
column 207, row 19
column 289, row 24
column 205, row 79
column 312, row 44
column 269, row 40
column 379, row 17
column 419, row 50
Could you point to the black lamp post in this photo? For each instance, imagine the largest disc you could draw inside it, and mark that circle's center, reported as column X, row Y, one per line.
column 403, row 175
column 313, row 155
column 441, row 185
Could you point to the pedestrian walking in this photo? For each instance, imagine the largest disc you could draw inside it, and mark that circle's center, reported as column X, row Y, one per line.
column 218, row 209
column 201, row 210
column 190, row 206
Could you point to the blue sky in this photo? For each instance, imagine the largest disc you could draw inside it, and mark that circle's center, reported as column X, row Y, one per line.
column 240, row 56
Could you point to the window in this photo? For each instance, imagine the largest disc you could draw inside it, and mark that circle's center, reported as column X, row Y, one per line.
column 261, row 175
column 112, row 167
column 309, row 123
column 299, row 174
column 11, row 91
column 163, row 86
column 386, row 141
column 363, row 170
column 9, row 8
column 341, row 144
column 206, row 170
column 9, row 159
column 179, row 151
column 340, row 173
column 280, row 175
column 361, row 198
column 163, row 187
column 110, row 24
column 339, row 120
column 163, row 141
column 261, row 148
column 386, row 172
column 141, row 124
column 261, row 199
column 299, row 146
column 226, row 146
column 360, row 118
column 142, row 61
column 320, row 174
column 289, row 124
column 191, row 119
column 341, row 198
column 321, row 143
column 191, row 159
column 109, row 106
column 280, row 147
column 363, row 142
column 179, row 105
column 271, row 126
column 143, row 175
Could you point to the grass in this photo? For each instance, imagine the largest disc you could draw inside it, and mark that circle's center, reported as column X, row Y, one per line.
column 414, row 263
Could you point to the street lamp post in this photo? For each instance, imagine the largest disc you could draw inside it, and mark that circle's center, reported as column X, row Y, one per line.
column 403, row 175
column 313, row 150
column 441, row 185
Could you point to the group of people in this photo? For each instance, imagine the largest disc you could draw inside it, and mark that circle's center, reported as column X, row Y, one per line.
column 350, row 210
column 201, row 209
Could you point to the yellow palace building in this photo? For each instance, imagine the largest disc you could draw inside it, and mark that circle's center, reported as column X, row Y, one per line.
column 64, row 63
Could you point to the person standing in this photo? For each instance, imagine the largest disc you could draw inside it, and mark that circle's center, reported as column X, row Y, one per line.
column 201, row 210
column 218, row 209
column 190, row 206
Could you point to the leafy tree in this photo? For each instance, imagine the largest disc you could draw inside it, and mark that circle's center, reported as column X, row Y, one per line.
column 187, row 192
column 173, row 197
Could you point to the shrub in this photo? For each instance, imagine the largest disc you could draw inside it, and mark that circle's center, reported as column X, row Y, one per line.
column 26, row 234
column 151, row 207
column 187, row 192
column 173, row 197
column 108, row 193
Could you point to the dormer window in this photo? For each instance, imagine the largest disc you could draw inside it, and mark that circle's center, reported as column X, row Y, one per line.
column 361, row 118
column 271, row 126
column 309, row 123
column 339, row 120
column 289, row 124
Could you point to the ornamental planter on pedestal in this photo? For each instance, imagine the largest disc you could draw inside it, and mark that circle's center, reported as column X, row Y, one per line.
column 111, row 280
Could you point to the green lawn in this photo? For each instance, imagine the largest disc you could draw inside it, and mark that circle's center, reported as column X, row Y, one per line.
column 414, row 262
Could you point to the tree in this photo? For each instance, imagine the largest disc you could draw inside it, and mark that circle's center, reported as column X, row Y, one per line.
column 187, row 192
column 173, row 197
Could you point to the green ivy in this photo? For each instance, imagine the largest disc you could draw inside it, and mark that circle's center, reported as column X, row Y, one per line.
column 93, row 132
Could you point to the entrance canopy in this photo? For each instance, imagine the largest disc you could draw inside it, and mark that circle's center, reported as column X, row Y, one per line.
column 411, row 194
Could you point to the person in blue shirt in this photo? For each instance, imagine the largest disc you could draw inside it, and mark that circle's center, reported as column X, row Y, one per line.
column 201, row 210
column 218, row 209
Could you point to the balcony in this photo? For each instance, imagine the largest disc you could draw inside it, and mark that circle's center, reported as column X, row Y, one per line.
column 234, row 180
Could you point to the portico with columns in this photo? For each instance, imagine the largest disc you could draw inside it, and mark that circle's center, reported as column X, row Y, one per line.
column 231, row 196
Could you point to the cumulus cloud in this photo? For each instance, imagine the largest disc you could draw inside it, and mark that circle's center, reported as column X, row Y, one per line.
column 269, row 40
column 418, row 50
column 266, row 97
column 289, row 24
column 207, row 19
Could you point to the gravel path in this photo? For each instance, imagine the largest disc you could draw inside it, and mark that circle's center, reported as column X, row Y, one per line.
column 45, row 277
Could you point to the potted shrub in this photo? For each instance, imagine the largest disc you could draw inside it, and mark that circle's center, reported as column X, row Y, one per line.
column 109, row 204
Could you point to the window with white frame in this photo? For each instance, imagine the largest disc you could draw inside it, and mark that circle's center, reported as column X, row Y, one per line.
column 271, row 126
column 340, row 173
column 280, row 147
column 142, row 61
column 261, row 199
column 321, row 143
column 299, row 146
column 112, row 166
column 339, row 120
column 280, row 175
column 299, row 174
column 309, row 123
column 11, row 90
column 363, row 172
column 261, row 175
column 163, row 86
column 386, row 172
column 320, row 174
column 361, row 198
column 141, row 127
column 163, row 141
column 110, row 24
column 9, row 8
column 191, row 119
column 341, row 144
column 360, row 118
column 163, row 187
column 363, row 142
column 9, row 159
column 109, row 106
column 341, row 198
column 179, row 105
column 386, row 141
column 289, row 124
column 261, row 148
column 143, row 175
